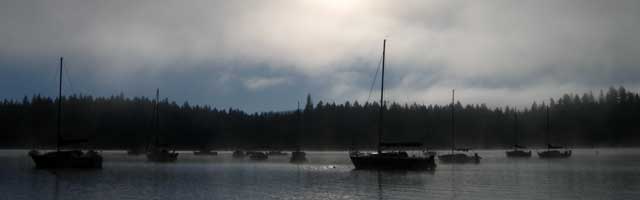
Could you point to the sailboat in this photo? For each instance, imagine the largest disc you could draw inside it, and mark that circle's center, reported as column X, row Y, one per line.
column 457, row 155
column 552, row 151
column 298, row 156
column 517, row 151
column 160, row 152
column 65, row 158
column 392, row 160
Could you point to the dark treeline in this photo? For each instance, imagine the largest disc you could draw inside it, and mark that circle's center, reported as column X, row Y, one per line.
column 606, row 119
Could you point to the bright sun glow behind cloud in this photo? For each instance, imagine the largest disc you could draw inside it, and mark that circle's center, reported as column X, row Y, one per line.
column 222, row 52
column 337, row 6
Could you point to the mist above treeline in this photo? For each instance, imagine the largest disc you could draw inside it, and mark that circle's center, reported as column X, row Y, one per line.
column 606, row 119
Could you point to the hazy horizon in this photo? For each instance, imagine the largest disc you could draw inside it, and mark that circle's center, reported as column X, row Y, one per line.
column 372, row 100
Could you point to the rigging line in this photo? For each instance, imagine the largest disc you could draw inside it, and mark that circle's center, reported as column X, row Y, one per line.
column 68, row 81
column 389, row 95
column 375, row 77
column 53, row 79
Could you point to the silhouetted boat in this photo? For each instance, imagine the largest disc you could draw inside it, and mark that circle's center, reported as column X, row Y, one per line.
column 396, row 160
column 552, row 151
column 238, row 154
column 160, row 152
column 459, row 158
column 258, row 156
column 65, row 158
column 457, row 155
column 429, row 152
column 517, row 151
column 392, row 160
column 298, row 156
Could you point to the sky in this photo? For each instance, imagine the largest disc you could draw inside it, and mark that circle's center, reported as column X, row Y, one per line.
column 260, row 55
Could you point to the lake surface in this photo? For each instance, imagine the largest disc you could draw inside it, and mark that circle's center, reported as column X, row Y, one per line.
column 608, row 174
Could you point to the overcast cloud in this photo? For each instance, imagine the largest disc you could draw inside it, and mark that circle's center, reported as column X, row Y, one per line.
column 267, row 55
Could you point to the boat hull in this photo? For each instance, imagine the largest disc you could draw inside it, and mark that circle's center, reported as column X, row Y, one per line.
column 518, row 154
column 67, row 159
column 298, row 157
column 459, row 158
column 554, row 154
column 375, row 162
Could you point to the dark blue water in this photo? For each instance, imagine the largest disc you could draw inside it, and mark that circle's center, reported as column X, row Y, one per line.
column 610, row 174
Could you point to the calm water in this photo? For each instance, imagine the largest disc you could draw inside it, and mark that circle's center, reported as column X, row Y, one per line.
column 612, row 174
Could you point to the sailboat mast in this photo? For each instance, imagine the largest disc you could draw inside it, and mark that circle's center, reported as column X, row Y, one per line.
column 59, row 108
column 380, row 129
column 298, row 127
column 548, row 129
column 157, row 117
column 453, row 122
column 516, row 128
